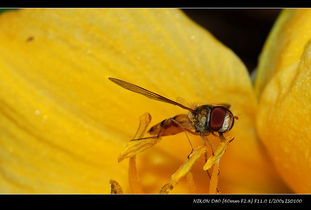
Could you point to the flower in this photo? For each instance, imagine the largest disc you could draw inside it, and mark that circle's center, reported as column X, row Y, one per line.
column 64, row 124
column 283, row 84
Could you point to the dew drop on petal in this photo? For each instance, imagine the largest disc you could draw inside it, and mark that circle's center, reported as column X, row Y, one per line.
column 192, row 37
column 37, row 112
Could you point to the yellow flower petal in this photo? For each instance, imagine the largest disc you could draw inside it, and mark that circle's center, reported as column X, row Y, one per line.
column 63, row 123
column 284, row 45
column 285, row 102
column 284, row 124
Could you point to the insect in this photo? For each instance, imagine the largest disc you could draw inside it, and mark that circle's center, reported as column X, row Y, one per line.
column 203, row 120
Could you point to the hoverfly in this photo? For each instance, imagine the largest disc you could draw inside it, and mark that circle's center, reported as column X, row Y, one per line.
column 203, row 120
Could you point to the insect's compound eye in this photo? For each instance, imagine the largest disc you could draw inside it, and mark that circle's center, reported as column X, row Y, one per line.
column 218, row 115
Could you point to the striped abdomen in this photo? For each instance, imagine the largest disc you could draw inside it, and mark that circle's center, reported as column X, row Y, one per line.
column 172, row 126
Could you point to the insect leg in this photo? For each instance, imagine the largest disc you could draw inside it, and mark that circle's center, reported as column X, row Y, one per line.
column 211, row 177
column 149, row 137
column 206, row 141
column 205, row 157
column 223, row 139
column 185, row 131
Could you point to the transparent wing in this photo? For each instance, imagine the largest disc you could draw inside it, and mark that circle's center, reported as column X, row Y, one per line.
column 146, row 93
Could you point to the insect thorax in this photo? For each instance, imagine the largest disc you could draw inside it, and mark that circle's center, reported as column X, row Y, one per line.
column 200, row 119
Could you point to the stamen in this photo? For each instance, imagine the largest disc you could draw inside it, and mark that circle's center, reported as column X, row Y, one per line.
column 214, row 179
column 214, row 161
column 183, row 170
column 134, row 184
column 134, row 147
column 115, row 187
column 191, row 183
column 217, row 155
